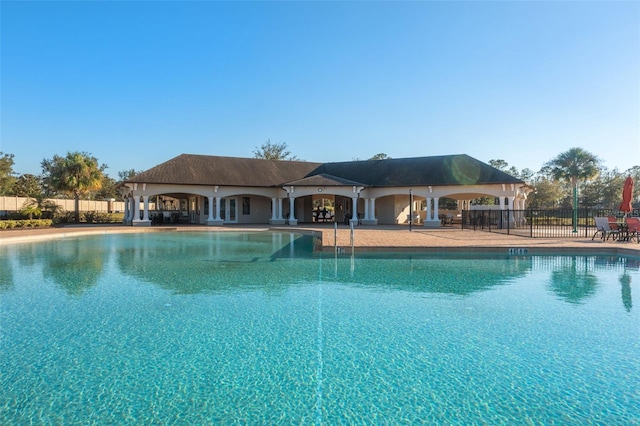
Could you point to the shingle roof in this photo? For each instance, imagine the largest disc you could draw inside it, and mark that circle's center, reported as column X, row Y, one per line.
column 188, row 169
column 437, row 170
column 324, row 179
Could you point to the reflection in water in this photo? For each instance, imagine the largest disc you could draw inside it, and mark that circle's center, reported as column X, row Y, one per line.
column 6, row 274
column 625, row 280
column 29, row 254
column 573, row 282
column 218, row 262
column 428, row 273
column 74, row 265
column 223, row 262
column 191, row 263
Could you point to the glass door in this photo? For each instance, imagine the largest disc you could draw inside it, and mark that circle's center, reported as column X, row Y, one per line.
column 232, row 210
column 228, row 210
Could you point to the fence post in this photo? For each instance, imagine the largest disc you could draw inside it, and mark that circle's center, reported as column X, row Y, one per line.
column 531, row 223
column 586, row 222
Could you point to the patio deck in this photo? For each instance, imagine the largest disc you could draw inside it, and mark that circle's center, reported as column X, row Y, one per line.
column 374, row 238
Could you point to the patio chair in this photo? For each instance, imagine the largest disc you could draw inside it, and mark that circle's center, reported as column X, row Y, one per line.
column 602, row 227
column 633, row 225
column 613, row 222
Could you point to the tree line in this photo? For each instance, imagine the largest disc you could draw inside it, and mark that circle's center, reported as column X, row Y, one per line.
column 572, row 175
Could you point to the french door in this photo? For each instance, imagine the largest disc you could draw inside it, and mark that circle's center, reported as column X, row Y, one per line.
column 228, row 210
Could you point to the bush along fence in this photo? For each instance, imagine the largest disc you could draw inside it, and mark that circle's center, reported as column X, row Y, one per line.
column 26, row 223
column 534, row 223
column 12, row 215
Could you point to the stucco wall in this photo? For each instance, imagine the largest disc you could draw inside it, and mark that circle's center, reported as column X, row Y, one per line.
column 14, row 204
column 260, row 210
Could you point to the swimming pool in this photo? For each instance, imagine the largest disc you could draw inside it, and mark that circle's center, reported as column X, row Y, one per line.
column 254, row 328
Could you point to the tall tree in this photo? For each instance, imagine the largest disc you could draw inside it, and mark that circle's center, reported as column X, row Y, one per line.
column 27, row 185
column 127, row 174
column 6, row 173
column 380, row 156
column 76, row 174
column 108, row 189
column 499, row 164
column 548, row 194
column 605, row 191
column 526, row 174
column 273, row 151
column 574, row 166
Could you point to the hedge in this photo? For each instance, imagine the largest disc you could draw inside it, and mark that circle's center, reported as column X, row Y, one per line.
column 25, row 223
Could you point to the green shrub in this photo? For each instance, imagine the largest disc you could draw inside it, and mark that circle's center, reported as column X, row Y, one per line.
column 66, row 217
column 98, row 217
column 8, row 224
column 25, row 223
column 90, row 217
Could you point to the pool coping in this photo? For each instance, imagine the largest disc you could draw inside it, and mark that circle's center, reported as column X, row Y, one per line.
column 367, row 239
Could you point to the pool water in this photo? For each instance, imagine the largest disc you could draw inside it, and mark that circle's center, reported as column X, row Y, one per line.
column 255, row 328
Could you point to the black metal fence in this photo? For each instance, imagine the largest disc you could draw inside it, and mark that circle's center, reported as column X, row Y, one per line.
column 538, row 223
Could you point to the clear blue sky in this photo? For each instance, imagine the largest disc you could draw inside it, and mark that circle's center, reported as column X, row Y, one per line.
column 137, row 83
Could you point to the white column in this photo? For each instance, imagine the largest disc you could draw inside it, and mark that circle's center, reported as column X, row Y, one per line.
column 210, row 217
column 279, row 208
column 501, row 202
column 145, row 200
column 291, row 208
column 372, row 209
column 274, row 207
column 218, row 208
column 436, row 215
column 126, row 211
column 354, row 202
column 136, row 208
column 512, row 201
column 427, row 217
column 366, row 209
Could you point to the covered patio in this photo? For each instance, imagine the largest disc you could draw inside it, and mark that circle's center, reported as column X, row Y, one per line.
column 221, row 190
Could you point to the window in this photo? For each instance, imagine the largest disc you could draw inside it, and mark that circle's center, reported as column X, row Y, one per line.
column 246, row 206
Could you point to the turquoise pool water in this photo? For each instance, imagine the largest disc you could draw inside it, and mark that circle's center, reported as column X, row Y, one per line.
column 229, row 328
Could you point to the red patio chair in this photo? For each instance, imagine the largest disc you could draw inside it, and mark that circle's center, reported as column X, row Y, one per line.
column 633, row 223
column 613, row 222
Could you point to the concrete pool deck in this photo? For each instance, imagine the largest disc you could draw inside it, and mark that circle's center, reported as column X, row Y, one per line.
column 366, row 238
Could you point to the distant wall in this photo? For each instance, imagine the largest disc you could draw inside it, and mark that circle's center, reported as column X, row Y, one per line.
column 15, row 204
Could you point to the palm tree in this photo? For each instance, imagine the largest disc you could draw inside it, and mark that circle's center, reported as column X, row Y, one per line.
column 77, row 174
column 37, row 205
column 573, row 166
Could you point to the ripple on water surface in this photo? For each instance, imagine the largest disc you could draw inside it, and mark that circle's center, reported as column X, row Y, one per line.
column 256, row 329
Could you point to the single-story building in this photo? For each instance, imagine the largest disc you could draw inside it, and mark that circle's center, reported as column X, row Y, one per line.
column 213, row 190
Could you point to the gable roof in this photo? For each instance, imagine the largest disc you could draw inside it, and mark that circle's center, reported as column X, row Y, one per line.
column 189, row 169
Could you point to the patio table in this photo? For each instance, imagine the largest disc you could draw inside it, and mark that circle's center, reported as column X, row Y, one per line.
column 623, row 227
